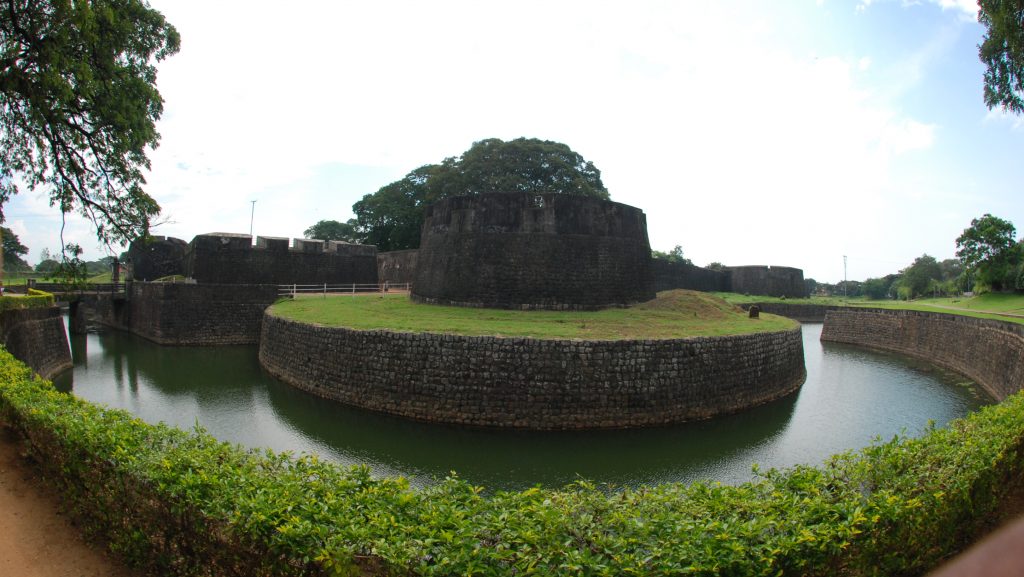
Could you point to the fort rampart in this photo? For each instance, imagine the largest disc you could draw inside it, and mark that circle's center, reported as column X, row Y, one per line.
column 677, row 275
column 188, row 314
column 36, row 337
column 534, row 383
column 776, row 281
column 989, row 352
column 226, row 258
column 542, row 251
column 397, row 266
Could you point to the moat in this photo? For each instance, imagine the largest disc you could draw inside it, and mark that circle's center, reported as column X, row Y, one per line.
column 851, row 396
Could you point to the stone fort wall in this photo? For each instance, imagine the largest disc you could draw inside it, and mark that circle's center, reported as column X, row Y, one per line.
column 226, row 258
column 777, row 281
column 522, row 250
column 37, row 338
column 400, row 267
column 397, row 266
column 188, row 314
column 157, row 257
column 675, row 275
column 533, row 383
column 989, row 352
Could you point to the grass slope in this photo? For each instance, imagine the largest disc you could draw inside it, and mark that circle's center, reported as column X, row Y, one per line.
column 674, row 314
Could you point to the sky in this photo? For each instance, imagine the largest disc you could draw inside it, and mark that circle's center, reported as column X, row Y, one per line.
column 779, row 133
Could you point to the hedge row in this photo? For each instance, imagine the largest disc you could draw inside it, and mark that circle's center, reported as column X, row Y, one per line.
column 182, row 503
column 33, row 300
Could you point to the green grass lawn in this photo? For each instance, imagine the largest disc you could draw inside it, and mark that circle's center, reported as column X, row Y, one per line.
column 674, row 314
column 987, row 306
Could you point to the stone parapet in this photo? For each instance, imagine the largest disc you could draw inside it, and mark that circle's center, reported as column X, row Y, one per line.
column 533, row 383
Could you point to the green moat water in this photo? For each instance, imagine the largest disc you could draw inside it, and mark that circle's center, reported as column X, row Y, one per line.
column 851, row 396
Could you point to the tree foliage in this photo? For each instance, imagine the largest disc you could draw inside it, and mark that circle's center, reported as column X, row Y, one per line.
column 13, row 250
column 1002, row 52
column 675, row 255
column 520, row 165
column 391, row 217
column 918, row 276
column 78, row 106
column 333, row 230
column 989, row 249
column 879, row 288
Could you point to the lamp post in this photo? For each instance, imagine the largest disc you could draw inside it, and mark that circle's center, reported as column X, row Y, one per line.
column 846, row 286
column 252, row 215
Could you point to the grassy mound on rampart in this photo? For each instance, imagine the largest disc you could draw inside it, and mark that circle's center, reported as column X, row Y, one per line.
column 183, row 503
column 674, row 314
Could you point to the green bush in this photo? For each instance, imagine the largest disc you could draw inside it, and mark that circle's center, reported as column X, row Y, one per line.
column 34, row 299
column 182, row 503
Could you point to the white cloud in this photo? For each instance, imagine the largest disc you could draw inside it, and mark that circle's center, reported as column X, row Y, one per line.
column 701, row 115
column 969, row 8
column 1001, row 115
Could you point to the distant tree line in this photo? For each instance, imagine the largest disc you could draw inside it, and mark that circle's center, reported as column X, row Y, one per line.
column 989, row 258
column 50, row 262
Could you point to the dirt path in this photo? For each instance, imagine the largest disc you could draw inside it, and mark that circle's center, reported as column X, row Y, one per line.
column 36, row 540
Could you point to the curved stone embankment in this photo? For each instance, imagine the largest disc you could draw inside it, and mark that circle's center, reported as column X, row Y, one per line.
column 989, row 352
column 534, row 383
column 37, row 338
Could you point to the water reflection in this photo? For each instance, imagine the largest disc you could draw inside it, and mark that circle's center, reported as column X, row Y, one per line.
column 850, row 396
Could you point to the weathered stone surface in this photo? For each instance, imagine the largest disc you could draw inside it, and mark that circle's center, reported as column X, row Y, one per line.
column 226, row 258
column 397, row 266
column 546, row 251
column 189, row 314
column 776, row 281
column 37, row 338
column 989, row 352
column 533, row 383
column 159, row 257
column 677, row 275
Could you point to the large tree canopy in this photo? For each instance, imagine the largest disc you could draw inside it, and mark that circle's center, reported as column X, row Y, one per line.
column 78, row 103
column 391, row 217
column 520, row 165
column 1002, row 52
column 989, row 248
column 333, row 230
column 13, row 250
column 918, row 277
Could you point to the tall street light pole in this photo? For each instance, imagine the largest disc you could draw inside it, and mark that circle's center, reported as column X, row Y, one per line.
column 252, row 215
column 846, row 285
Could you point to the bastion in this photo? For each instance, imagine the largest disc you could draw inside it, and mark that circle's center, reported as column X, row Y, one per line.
column 533, row 251
column 531, row 383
